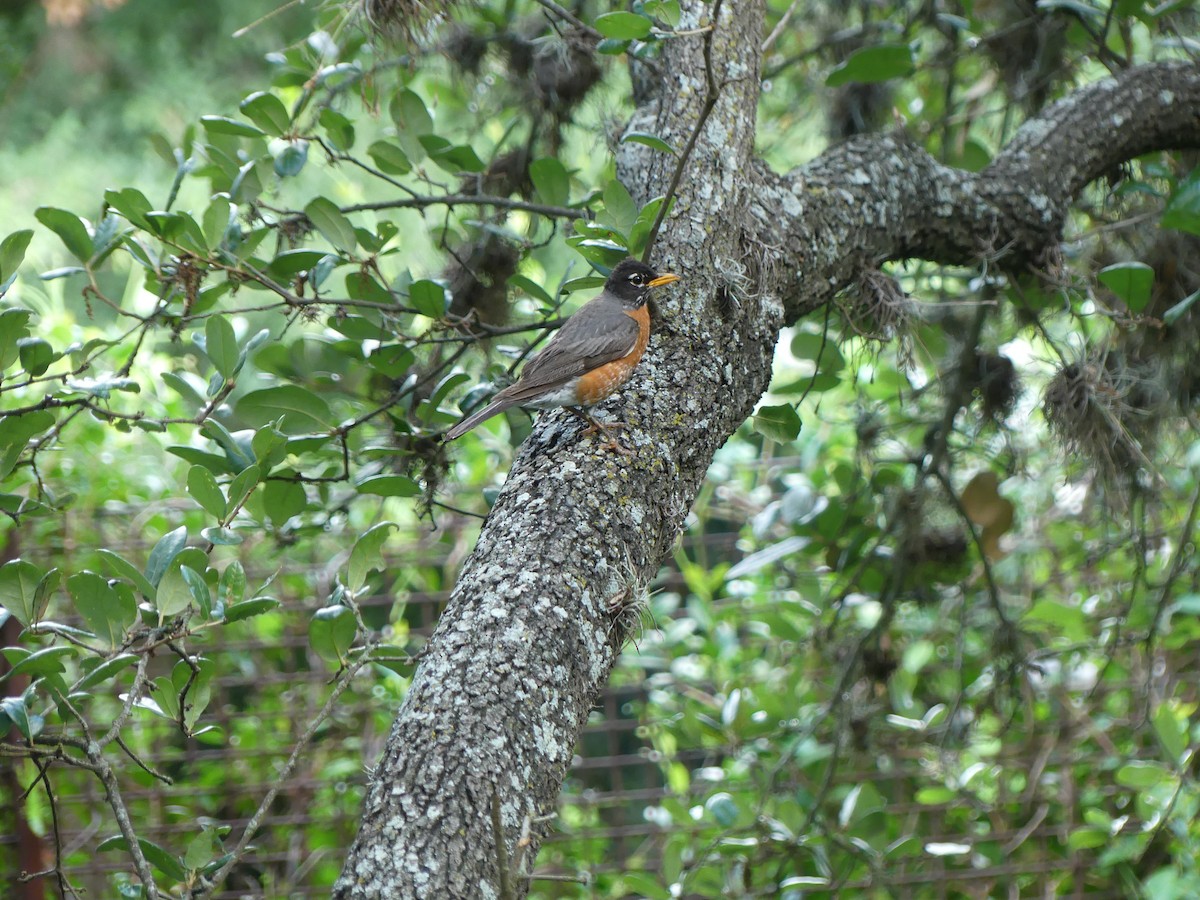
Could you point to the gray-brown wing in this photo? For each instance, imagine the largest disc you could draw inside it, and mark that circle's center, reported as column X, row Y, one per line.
column 597, row 334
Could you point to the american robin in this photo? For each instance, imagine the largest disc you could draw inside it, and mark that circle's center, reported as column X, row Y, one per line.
column 592, row 355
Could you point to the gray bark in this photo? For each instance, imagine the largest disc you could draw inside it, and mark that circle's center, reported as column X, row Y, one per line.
column 535, row 622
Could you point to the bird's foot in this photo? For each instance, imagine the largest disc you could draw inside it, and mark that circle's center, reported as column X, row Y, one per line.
column 595, row 426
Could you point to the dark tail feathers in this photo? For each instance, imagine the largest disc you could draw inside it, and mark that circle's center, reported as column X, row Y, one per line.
column 494, row 408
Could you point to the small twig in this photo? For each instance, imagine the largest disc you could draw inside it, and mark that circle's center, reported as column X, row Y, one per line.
column 710, row 102
column 568, row 16
column 139, row 680
column 1180, row 556
column 988, row 576
column 778, row 29
column 103, row 771
column 561, row 212
column 281, row 778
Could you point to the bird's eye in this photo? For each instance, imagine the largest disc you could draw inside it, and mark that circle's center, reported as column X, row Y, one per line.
column 637, row 278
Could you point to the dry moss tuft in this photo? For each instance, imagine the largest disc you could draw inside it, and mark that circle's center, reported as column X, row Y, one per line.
column 876, row 308
column 405, row 21
column 1108, row 411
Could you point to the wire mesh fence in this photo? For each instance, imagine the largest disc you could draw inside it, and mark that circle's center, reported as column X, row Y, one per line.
column 270, row 686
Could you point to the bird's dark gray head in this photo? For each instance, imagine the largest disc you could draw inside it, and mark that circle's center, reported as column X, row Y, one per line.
column 632, row 280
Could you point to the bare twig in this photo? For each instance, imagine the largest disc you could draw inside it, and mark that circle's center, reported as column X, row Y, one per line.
column 561, row 212
column 281, row 778
column 710, row 102
column 568, row 16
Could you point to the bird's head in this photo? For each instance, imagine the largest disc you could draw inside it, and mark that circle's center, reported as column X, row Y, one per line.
column 632, row 280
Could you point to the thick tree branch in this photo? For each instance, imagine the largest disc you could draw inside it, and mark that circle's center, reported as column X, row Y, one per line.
column 879, row 197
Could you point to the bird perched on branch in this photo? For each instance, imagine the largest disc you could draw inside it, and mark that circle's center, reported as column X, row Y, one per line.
column 590, row 357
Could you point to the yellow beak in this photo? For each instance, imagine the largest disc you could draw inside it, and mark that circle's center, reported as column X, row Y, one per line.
column 663, row 279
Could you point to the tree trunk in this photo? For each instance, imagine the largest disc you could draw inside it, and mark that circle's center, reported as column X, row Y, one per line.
column 457, row 805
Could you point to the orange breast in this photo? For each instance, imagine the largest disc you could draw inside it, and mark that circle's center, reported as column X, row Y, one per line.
column 600, row 383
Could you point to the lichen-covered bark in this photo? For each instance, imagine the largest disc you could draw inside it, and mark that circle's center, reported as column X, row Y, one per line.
column 530, row 634
column 881, row 197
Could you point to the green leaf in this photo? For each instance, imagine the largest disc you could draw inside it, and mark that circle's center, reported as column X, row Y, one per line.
column 290, row 157
column 1053, row 617
column 12, row 253
column 206, row 492
column 164, row 553
column 122, row 568
column 366, row 555
column 198, row 588
column 1131, row 281
column 389, row 486
column 255, row 607
column 220, row 343
column 1182, row 211
column 550, row 181
column 331, row 633
column 1141, row 775
column 390, row 159
column 108, row 609
column 338, row 128
column 216, row 220
column 532, row 288
column 199, row 850
column 582, row 284
column 1176, row 312
column 243, row 486
column 283, row 499
column 15, row 433
column 1171, row 727
column 232, row 586
column 453, row 158
column 226, row 125
column 619, row 209
column 70, row 229
column 221, row 537
column 641, row 884
column 779, row 423
column 104, row 671
column 428, row 298
column 300, row 408
column 722, row 808
column 1087, row 838
column 666, row 10
column 42, row 662
column 623, row 26
column 19, row 579
column 14, row 326
column 410, row 113
column 334, row 227
column 155, row 855
column 290, row 263
column 173, row 595
column 267, row 112
column 822, row 349
column 14, row 709
column 649, row 140
column 872, row 64
column 132, row 204
column 36, row 355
